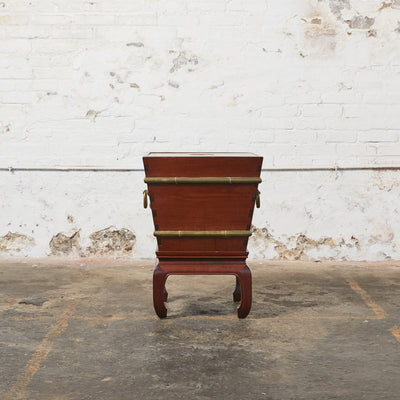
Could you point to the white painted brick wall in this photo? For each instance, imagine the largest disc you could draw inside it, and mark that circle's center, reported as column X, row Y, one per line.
column 305, row 84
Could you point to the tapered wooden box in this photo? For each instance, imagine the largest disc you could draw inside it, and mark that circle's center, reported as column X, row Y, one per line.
column 202, row 205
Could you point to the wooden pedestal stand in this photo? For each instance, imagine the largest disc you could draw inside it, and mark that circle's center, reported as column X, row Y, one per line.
column 202, row 207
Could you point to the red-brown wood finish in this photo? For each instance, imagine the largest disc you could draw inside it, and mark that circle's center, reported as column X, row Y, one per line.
column 202, row 207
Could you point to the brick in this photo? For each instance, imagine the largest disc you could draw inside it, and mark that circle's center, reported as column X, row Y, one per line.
column 388, row 97
column 55, row 46
column 256, row 6
column 378, row 136
column 342, row 97
column 178, row 20
column 94, row 19
column 16, row 46
column 221, row 19
column 279, row 111
column 52, row 72
column 387, row 161
column 310, row 123
column 388, row 150
column 337, row 136
column 356, row 149
column 360, row 110
column 140, row 19
column 295, row 136
column 14, row 19
column 206, row 6
column 17, row 97
column 263, row 136
column 51, row 19
column 277, row 123
column 22, row 72
column 322, row 110
column 15, row 85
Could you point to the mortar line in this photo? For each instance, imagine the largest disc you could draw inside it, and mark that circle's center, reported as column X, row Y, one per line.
column 376, row 308
column 284, row 169
column 18, row 390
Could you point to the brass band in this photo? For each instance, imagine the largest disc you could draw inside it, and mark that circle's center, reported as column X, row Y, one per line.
column 202, row 233
column 219, row 179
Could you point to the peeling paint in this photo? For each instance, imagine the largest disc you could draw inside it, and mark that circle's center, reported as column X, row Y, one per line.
column 173, row 84
column 63, row 245
column 360, row 22
column 217, row 85
column 337, row 6
column 92, row 114
column 135, row 44
column 382, row 233
column 4, row 128
column 320, row 31
column 111, row 241
column 298, row 246
column 108, row 241
column 303, row 243
column 385, row 5
column 325, row 22
column 386, row 180
column 316, row 21
column 181, row 60
column 395, row 4
column 15, row 242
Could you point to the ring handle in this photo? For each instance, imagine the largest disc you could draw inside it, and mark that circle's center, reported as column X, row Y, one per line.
column 145, row 199
column 258, row 199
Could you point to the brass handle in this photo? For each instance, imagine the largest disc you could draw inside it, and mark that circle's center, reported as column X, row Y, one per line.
column 258, row 199
column 145, row 200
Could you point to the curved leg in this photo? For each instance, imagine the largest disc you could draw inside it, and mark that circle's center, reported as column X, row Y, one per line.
column 236, row 294
column 165, row 294
column 244, row 277
column 159, row 278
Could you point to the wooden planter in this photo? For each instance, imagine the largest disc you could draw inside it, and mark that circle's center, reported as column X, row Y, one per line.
column 202, row 205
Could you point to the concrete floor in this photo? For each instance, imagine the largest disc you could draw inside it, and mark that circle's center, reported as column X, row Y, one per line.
column 316, row 331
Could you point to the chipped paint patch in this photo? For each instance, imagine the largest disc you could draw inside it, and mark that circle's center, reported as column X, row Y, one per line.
column 395, row 4
column 173, row 84
column 63, row 245
column 337, row 6
column 360, row 22
column 320, row 29
column 14, row 242
column 4, row 128
column 298, row 247
column 106, row 242
column 181, row 60
column 135, row 44
column 386, row 180
column 111, row 241
column 92, row 115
